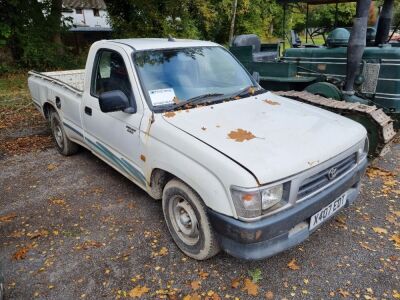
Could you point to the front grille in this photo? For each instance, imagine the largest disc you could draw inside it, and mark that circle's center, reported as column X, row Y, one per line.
column 319, row 180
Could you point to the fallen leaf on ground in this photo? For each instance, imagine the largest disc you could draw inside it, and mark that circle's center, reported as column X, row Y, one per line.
column 293, row 265
column 88, row 244
column 138, row 291
column 58, row 202
column 269, row 295
column 37, row 233
column 7, row 218
column 250, row 287
column 344, row 293
column 195, row 284
column 192, row 297
column 203, row 275
column 240, row 135
column 270, row 102
column 373, row 172
column 235, row 283
column 396, row 294
column 366, row 246
column 396, row 239
column 22, row 252
column 51, row 167
column 379, row 230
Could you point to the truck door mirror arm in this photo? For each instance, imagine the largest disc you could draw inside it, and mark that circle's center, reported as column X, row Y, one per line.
column 116, row 101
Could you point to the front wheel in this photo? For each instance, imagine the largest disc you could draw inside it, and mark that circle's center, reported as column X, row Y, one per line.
column 64, row 145
column 187, row 221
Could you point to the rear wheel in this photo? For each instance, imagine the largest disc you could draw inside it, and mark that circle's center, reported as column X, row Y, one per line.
column 64, row 145
column 187, row 221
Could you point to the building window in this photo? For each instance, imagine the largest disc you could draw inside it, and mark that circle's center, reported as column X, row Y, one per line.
column 96, row 12
column 78, row 11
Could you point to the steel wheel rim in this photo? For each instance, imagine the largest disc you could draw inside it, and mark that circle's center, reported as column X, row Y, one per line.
column 184, row 220
column 58, row 134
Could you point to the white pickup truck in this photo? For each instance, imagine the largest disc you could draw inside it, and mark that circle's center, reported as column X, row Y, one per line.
column 237, row 167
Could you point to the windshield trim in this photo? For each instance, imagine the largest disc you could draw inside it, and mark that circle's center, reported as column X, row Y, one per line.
column 164, row 108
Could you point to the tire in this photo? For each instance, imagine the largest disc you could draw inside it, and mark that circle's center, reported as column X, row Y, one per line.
column 183, row 209
column 64, row 145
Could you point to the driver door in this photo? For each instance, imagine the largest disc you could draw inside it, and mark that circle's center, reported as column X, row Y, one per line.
column 114, row 136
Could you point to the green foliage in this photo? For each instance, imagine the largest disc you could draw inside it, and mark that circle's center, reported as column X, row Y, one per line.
column 255, row 275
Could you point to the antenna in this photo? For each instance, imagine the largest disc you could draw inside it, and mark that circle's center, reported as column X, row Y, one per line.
column 171, row 38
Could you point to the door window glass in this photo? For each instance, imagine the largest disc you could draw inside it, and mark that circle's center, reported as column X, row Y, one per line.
column 111, row 74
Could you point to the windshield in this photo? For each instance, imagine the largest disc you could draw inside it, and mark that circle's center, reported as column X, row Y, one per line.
column 174, row 76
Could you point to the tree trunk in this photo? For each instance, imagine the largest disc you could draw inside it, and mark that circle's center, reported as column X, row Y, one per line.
column 232, row 30
column 55, row 19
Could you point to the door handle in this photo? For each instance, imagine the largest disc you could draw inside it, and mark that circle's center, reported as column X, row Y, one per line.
column 88, row 111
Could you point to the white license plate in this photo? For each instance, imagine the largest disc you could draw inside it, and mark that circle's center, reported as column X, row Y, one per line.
column 327, row 211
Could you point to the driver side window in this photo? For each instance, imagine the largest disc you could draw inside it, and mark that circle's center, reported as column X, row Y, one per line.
column 111, row 74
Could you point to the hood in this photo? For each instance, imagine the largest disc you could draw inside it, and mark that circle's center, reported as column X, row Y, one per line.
column 272, row 136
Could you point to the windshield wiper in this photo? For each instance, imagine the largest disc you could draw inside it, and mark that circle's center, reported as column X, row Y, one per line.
column 197, row 98
column 246, row 91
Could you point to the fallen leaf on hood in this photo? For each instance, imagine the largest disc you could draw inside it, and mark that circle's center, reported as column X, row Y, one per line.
column 250, row 287
column 7, row 218
column 293, row 265
column 270, row 102
column 379, row 230
column 240, row 135
column 138, row 291
column 169, row 114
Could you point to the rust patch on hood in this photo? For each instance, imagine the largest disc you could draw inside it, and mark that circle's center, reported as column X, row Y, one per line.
column 169, row 114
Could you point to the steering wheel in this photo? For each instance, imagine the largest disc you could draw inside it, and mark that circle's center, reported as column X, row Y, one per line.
column 159, row 84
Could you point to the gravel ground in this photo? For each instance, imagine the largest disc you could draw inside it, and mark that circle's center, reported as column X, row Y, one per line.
column 72, row 227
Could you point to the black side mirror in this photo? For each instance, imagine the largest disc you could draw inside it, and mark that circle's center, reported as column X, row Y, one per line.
column 113, row 101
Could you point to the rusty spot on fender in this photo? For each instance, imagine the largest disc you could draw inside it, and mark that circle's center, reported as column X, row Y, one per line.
column 270, row 102
column 169, row 114
column 240, row 135
column 142, row 157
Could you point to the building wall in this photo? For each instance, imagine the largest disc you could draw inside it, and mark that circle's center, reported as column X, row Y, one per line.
column 87, row 18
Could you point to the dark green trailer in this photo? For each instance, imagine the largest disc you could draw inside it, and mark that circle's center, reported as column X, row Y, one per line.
column 354, row 77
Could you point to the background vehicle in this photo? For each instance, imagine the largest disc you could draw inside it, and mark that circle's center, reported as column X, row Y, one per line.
column 236, row 167
column 355, row 74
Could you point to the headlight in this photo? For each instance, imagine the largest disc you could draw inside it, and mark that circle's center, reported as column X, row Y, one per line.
column 252, row 203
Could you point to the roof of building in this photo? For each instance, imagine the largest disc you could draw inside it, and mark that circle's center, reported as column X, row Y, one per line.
column 97, row 4
column 158, row 43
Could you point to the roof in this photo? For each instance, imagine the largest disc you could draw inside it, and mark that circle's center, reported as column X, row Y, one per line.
column 152, row 43
column 88, row 29
column 97, row 4
column 315, row 1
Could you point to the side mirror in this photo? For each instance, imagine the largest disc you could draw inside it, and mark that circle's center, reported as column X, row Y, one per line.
column 256, row 76
column 113, row 101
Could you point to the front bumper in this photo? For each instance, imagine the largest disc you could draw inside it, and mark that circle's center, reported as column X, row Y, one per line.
column 283, row 230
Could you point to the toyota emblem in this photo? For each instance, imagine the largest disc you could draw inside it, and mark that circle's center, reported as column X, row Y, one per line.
column 332, row 173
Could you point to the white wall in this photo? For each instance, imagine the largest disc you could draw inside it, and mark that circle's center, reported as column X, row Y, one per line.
column 87, row 18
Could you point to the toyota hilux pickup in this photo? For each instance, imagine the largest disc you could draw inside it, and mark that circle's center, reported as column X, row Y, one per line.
column 237, row 168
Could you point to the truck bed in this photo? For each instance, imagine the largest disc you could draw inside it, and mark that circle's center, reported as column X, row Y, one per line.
column 70, row 78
